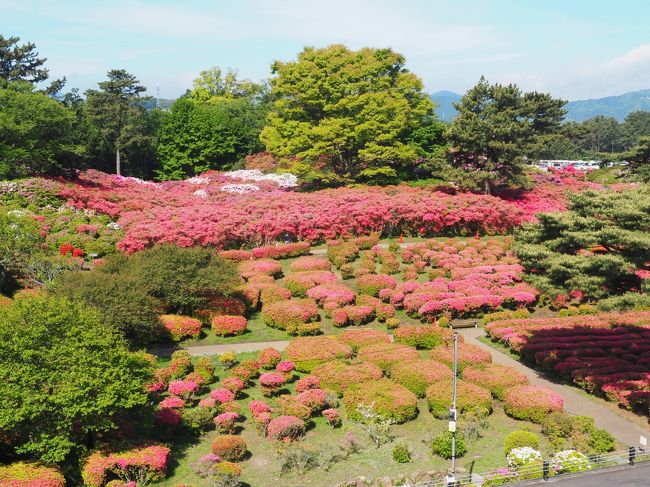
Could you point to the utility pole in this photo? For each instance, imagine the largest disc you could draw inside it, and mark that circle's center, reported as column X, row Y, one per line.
column 451, row 477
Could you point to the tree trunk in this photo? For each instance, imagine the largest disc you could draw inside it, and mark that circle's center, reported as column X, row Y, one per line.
column 117, row 161
column 487, row 187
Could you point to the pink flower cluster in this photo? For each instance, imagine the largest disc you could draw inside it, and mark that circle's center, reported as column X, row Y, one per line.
column 151, row 460
column 285, row 251
column 172, row 212
column 183, row 388
column 532, row 403
column 285, row 428
column 337, row 293
column 181, row 327
column 224, row 325
column 222, row 395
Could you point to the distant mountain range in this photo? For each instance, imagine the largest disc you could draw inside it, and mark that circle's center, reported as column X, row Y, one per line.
column 610, row 106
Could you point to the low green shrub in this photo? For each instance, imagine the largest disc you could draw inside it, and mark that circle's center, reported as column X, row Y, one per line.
column 401, row 453
column 441, row 445
column 520, row 438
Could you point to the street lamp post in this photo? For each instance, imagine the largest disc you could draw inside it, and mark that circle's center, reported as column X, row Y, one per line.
column 451, row 478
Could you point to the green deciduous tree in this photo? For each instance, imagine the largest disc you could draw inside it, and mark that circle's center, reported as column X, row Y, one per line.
column 494, row 125
column 595, row 247
column 65, row 377
column 34, row 133
column 213, row 85
column 118, row 112
column 343, row 112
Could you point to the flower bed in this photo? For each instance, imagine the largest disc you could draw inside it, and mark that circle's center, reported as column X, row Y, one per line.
column 24, row 474
column 360, row 338
column 388, row 399
column 147, row 462
column 308, row 352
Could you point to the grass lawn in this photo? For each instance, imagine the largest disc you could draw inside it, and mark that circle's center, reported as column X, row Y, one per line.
column 262, row 467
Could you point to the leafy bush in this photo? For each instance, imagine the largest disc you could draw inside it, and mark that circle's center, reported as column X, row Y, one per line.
column 496, row 378
column 417, row 375
column 269, row 358
column 229, row 447
column 25, row 474
column 390, row 400
column 467, row 355
column 269, row 267
column 338, row 376
column 531, row 403
column 470, row 398
column 401, row 453
column 342, row 252
column 197, row 420
column 441, row 445
column 570, row 461
column 145, row 464
column 371, row 284
column 426, row 337
column 386, row 355
column 352, row 315
column 308, row 352
column 625, row 302
column 310, row 263
column 181, row 327
column 295, row 316
column 298, row 458
column 285, row 427
column 361, row 338
column 270, row 293
column 517, row 439
column 225, row 325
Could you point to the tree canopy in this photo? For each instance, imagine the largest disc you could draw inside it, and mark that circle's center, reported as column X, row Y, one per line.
column 595, row 247
column 345, row 113
column 494, row 125
column 65, row 377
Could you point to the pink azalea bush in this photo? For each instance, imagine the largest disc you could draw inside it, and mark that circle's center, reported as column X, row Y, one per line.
column 295, row 316
column 24, row 474
column 308, row 352
column 172, row 402
column 332, row 416
column 285, row 367
column 307, row 382
column 271, row 382
column 531, row 403
column 257, row 407
column 146, row 462
column 226, row 422
column 183, row 388
column 180, row 327
column 233, row 384
column 269, row 358
column 285, row 428
column 222, row 395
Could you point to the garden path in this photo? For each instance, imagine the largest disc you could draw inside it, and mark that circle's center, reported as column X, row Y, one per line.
column 201, row 350
column 620, row 423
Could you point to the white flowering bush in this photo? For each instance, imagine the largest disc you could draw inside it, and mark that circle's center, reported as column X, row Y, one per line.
column 376, row 425
column 201, row 193
column 569, row 461
column 239, row 188
column 284, row 180
column 113, row 225
column 525, row 455
column 199, row 180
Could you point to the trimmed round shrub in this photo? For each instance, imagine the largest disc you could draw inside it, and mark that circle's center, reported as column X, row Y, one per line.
column 385, row 355
column 222, row 395
column 520, row 438
column 361, row 338
column 426, row 336
column 285, row 427
column 308, row 352
column 226, row 422
column 338, row 376
column 271, row 382
column 287, row 405
column 390, row 400
column 373, row 283
column 531, row 403
column 469, row 398
column 496, row 378
column 236, row 254
column 352, row 315
column 269, row 358
column 332, row 292
column 225, row 325
column 310, row 263
column 401, row 453
column 307, row 382
column 392, row 323
column 233, row 384
column 229, row 447
column 441, row 445
column 301, row 282
column 467, row 355
column 523, row 456
column 570, row 461
column 30, row 474
column 295, row 316
column 270, row 267
column 197, row 419
column 417, row 375
column 180, row 327
column 272, row 293
column 314, row 399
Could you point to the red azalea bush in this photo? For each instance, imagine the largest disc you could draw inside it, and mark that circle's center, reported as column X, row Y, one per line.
column 361, row 338
column 390, row 400
column 352, row 315
column 337, row 376
column 417, row 375
column 145, row 463
column 26, row 474
column 469, row 398
column 180, row 327
column 257, row 407
column 467, row 355
column 531, row 403
column 269, row 358
column 307, row 382
column 371, row 284
column 285, row 428
column 228, row 325
column 496, row 378
column 308, row 352
column 170, row 211
column 385, row 355
column 310, row 263
column 230, row 447
column 285, row 251
column 183, row 388
column 295, row 316
column 426, row 336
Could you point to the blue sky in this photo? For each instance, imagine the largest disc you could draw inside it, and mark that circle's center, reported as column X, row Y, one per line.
column 572, row 48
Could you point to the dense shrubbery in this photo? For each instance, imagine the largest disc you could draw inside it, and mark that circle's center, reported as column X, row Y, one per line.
column 295, row 316
column 285, row 427
column 361, row 338
column 228, row 325
column 532, row 403
column 467, row 355
column 309, row 352
column 338, row 376
column 517, row 439
column 441, row 445
column 426, row 337
column 386, row 355
column 229, row 447
column 418, row 375
column 25, row 474
column 145, row 464
column 388, row 399
column 180, row 327
column 470, row 398
column 496, row 378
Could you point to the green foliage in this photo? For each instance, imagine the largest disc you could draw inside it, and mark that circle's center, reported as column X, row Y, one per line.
column 341, row 112
column 298, row 458
column 640, row 158
column 66, row 376
column 579, row 432
column 441, row 445
column 34, row 132
column 401, row 453
column 594, row 247
column 494, row 125
column 625, row 302
column 213, row 85
column 520, row 438
column 130, row 291
column 194, row 137
column 197, row 420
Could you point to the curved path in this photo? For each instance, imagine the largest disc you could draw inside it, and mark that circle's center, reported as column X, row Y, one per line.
column 625, row 429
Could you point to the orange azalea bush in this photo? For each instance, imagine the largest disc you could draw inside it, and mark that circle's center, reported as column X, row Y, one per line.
column 337, row 376
column 27, row 474
column 228, row 325
column 230, row 447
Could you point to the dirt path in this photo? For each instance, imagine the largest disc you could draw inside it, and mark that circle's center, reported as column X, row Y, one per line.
column 622, row 424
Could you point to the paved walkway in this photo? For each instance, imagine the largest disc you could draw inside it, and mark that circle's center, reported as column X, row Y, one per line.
column 624, row 429
column 201, row 350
